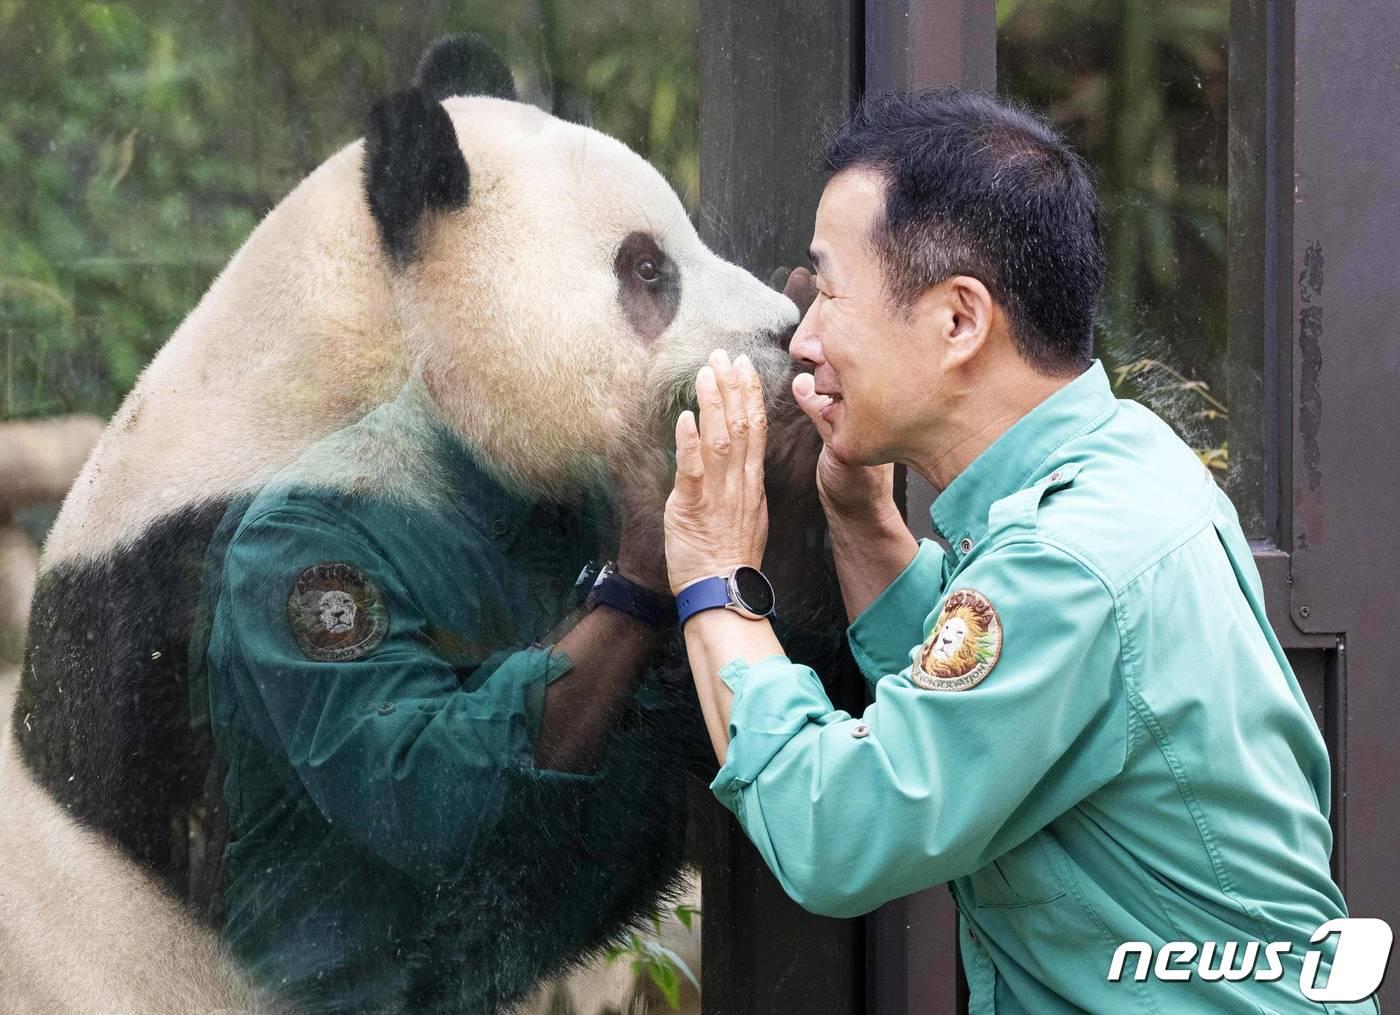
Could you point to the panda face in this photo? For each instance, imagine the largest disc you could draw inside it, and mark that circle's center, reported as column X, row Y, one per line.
column 561, row 313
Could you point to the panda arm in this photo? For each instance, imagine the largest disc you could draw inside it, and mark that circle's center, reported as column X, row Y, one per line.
column 388, row 744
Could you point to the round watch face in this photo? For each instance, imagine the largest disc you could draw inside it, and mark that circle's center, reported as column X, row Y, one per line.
column 753, row 591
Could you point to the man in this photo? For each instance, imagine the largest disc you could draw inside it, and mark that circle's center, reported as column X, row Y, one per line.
column 1081, row 718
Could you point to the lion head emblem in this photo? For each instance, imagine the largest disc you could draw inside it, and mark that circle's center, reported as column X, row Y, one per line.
column 964, row 645
column 337, row 610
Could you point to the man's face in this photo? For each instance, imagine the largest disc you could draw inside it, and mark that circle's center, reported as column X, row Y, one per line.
column 858, row 347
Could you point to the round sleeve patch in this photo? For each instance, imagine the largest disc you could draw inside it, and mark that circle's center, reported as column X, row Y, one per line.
column 964, row 646
column 336, row 613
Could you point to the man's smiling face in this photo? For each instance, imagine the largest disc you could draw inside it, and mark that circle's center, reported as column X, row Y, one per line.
column 860, row 349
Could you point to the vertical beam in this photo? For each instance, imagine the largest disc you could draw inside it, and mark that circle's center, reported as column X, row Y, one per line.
column 912, row 953
column 1259, row 221
column 771, row 74
column 925, row 43
column 1343, row 330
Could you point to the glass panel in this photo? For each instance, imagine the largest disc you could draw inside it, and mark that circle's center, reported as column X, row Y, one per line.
column 1140, row 87
column 141, row 144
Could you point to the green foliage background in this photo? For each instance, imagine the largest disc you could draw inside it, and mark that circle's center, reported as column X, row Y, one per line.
column 1140, row 88
column 141, row 142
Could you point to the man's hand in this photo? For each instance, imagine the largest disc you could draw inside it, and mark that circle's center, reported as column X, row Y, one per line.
column 717, row 515
column 855, row 493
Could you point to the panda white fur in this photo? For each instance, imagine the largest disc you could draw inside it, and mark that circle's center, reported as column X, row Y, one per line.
column 474, row 242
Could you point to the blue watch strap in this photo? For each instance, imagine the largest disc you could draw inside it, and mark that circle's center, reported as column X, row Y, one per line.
column 651, row 608
column 706, row 594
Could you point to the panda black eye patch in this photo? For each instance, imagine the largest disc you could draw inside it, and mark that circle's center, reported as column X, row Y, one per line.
column 648, row 285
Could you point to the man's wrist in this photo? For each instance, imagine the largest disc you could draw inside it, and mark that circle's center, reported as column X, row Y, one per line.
column 869, row 555
column 681, row 582
column 744, row 590
column 721, row 636
column 878, row 524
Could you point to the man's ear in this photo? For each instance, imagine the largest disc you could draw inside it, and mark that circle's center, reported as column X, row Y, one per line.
column 965, row 316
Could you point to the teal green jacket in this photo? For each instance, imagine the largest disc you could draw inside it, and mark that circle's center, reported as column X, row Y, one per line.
column 1081, row 719
column 377, row 669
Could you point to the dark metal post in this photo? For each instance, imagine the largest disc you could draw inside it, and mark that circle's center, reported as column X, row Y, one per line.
column 770, row 74
column 1315, row 209
column 912, row 943
column 1341, row 334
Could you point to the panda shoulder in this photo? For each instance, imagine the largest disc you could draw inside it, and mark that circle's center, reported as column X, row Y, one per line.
column 386, row 457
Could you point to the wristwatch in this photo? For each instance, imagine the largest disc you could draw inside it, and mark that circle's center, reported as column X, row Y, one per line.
column 745, row 590
column 611, row 589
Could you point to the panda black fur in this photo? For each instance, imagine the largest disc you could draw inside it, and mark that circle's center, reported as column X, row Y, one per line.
column 398, row 257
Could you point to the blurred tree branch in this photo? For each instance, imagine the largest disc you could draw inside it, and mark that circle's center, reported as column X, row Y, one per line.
column 38, row 463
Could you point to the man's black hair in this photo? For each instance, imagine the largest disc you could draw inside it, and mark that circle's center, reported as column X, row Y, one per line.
column 976, row 186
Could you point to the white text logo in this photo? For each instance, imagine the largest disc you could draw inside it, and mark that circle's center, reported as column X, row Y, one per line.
column 1358, row 965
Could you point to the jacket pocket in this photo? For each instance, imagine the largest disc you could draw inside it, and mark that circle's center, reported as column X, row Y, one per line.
column 1024, row 876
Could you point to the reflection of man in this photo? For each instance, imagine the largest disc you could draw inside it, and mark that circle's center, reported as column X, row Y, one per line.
column 427, row 742
column 1044, row 734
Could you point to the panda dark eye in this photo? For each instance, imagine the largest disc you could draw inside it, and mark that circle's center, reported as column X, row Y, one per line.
column 647, row 271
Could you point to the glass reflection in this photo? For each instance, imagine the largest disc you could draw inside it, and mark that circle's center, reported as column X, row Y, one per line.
column 302, row 810
column 1140, row 89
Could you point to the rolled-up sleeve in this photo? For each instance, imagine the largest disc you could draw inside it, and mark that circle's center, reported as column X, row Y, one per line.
column 931, row 785
column 391, row 746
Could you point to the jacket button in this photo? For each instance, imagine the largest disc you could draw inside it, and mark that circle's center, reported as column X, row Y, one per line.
column 500, row 527
column 965, row 546
column 386, row 708
column 1055, row 476
column 860, row 730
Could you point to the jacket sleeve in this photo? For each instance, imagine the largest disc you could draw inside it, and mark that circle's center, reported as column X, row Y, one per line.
column 884, row 635
column 390, row 745
column 932, row 784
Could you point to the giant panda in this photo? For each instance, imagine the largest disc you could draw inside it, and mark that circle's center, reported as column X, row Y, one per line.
column 487, row 251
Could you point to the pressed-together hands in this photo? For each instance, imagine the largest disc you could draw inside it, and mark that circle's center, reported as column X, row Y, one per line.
column 716, row 516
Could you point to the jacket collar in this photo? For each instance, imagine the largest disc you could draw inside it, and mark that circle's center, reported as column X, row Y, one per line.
column 498, row 506
column 1017, row 457
column 486, row 496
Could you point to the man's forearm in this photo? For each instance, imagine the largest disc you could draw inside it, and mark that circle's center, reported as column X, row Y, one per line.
column 869, row 555
column 714, row 639
column 609, row 650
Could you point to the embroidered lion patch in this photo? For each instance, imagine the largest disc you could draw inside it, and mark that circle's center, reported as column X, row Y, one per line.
column 964, row 646
column 336, row 613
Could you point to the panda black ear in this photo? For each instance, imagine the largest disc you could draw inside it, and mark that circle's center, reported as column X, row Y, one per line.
column 413, row 164
column 463, row 65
